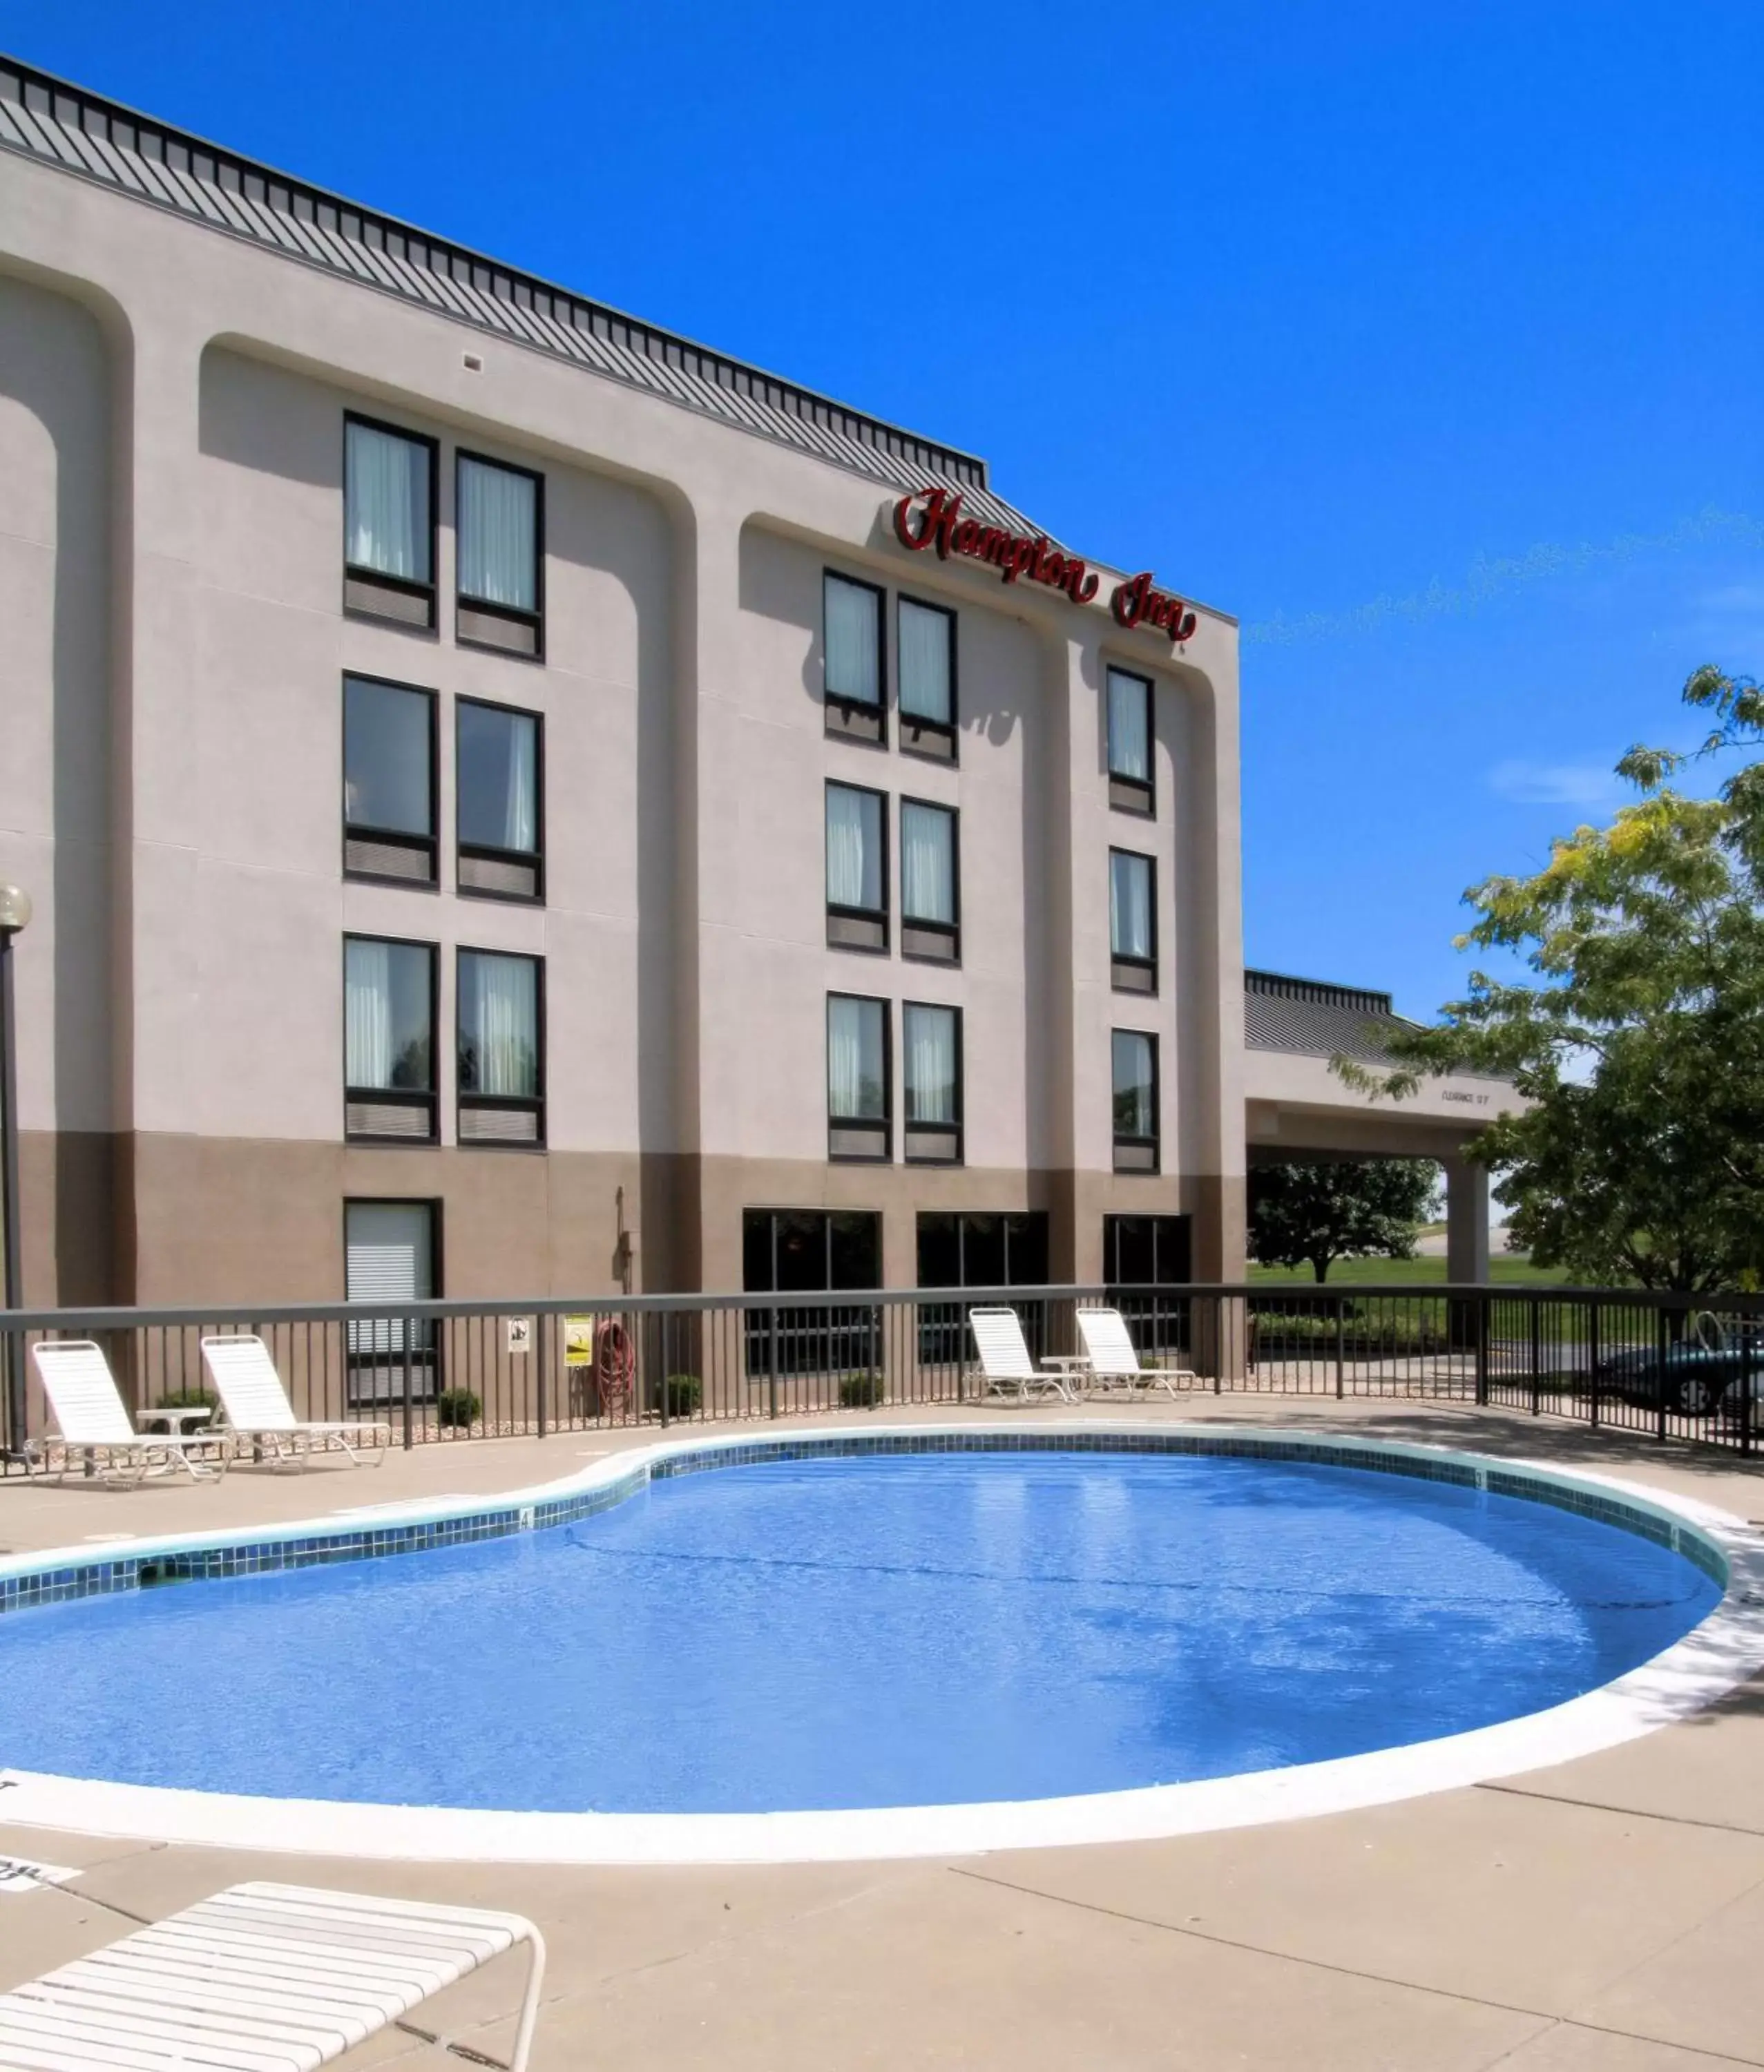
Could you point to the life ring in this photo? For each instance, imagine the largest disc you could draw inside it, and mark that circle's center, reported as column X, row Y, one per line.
column 615, row 1365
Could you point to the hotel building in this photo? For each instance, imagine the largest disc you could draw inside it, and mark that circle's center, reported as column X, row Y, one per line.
column 518, row 802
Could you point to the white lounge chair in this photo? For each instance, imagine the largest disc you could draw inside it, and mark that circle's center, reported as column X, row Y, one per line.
column 1115, row 1364
column 92, row 1424
column 257, row 1409
column 1005, row 1362
column 259, row 1976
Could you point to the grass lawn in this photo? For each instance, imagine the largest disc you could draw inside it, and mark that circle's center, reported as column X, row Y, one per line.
column 1505, row 1270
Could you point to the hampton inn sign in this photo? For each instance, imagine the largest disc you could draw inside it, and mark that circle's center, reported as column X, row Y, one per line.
column 932, row 518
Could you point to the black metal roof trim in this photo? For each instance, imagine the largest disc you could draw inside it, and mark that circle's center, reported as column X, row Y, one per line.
column 1277, row 985
column 46, row 118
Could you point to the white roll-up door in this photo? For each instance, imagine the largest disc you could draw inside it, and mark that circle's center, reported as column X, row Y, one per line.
column 389, row 1256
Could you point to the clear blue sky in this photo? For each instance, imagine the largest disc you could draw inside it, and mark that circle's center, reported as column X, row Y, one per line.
column 1426, row 338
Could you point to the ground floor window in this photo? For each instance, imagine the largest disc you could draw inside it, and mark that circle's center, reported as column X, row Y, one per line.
column 391, row 1254
column 1142, row 1255
column 811, row 1251
column 977, row 1251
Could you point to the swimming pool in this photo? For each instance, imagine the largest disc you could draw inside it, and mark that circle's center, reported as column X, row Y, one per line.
column 830, row 1629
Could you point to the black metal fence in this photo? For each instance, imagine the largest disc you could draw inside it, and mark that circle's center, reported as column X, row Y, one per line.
column 1667, row 1366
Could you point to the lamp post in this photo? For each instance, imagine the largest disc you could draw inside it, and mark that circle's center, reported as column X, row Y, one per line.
column 14, row 915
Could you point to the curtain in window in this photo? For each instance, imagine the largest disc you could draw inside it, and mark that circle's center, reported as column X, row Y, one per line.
column 499, row 1026
column 520, row 823
column 853, row 849
column 1130, row 904
column 1129, row 730
column 1132, row 1084
column 854, row 1060
column 926, row 637
column 499, row 777
column 930, row 1035
column 367, row 982
column 852, row 642
column 387, row 493
column 927, row 864
column 498, row 536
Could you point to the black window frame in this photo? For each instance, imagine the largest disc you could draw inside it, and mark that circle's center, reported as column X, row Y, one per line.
column 947, row 933
column 1137, row 1154
column 855, row 1127
column 847, row 925
column 851, row 719
column 783, row 1337
column 480, row 1104
column 361, row 831
column 485, row 852
column 1131, row 795
column 533, row 622
column 933, row 1138
column 394, row 1097
column 1129, row 974
column 915, row 731
column 368, row 581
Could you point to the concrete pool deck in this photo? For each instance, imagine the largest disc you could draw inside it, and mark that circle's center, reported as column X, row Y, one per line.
column 1600, row 1917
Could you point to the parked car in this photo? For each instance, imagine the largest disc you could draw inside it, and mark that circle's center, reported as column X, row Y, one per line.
column 1695, row 1375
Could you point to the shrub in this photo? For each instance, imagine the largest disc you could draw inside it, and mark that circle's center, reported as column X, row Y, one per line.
column 457, row 1409
column 860, row 1391
column 684, row 1392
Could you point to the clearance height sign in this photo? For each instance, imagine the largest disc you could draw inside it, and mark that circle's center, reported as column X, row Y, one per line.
column 932, row 518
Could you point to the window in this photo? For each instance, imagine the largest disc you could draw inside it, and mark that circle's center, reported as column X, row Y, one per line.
column 925, row 644
column 1130, row 741
column 388, row 1068
column 852, row 651
column 388, row 781
column 390, row 1256
column 1132, row 922
column 930, row 882
column 858, row 1078
column 1145, row 1251
column 810, row 1252
column 499, row 520
column 931, row 1049
column 857, row 867
column 1150, row 1252
column 501, row 1049
column 499, row 777
column 1136, row 1101
column 389, row 523
column 978, row 1252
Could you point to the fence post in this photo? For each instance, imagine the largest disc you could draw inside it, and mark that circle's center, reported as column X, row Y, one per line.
column 1536, row 1303
column 542, row 1326
column 1481, row 1349
column 772, row 1365
column 1661, row 1342
column 409, row 1333
column 662, row 1393
column 1592, row 1359
column 1339, row 1327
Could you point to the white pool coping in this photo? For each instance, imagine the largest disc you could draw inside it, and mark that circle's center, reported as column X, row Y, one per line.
column 1726, row 1649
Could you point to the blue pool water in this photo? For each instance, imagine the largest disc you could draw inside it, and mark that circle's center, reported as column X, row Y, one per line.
column 909, row 1630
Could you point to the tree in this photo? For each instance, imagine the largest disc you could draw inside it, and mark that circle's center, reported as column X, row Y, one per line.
column 1640, row 1048
column 1338, row 1209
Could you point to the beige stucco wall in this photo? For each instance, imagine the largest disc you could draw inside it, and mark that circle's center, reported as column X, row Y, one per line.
column 684, row 928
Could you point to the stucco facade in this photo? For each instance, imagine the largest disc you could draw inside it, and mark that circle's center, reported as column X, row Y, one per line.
column 172, row 397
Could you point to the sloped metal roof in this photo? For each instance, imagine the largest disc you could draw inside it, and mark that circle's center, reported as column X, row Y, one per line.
column 47, row 119
column 1307, row 1015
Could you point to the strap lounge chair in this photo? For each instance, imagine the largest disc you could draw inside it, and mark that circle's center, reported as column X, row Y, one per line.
column 257, row 1409
column 1114, row 1365
column 93, row 1425
column 261, row 1976
column 1005, row 1362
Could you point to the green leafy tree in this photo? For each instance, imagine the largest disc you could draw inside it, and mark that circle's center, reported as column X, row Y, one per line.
column 1338, row 1209
column 1640, row 1047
